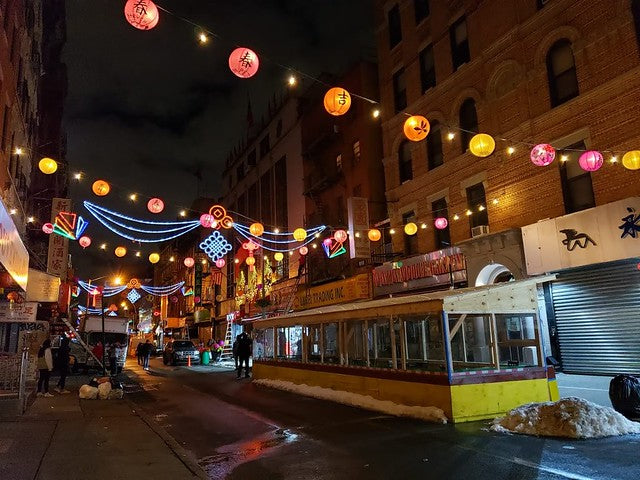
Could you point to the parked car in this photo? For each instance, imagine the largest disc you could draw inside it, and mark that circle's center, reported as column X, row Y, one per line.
column 179, row 351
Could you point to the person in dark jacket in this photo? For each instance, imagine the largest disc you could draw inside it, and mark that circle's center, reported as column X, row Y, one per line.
column 139, row 353
column 147, row 349
column 63, row 364
column 112, row 358
column 244, row 352
column 235, row 352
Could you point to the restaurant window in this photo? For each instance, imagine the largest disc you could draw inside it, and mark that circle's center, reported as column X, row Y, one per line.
column 404, row 162
column 424, row 344
column 379, row 343
column 356, row 353
column 356, row 152
column 468, row 123
column 435, row 158
column 442, row 236
column 399, row 90
column 264, row 146
column 561, row 70
column 263, row 344
column 330, row 343
column 459, row 43
column 395, row 27
column 427, row 69
column 477, row 205
column 314, row 343
column 517, row 340
column 470, row 342
column 410, row 241
column 577, row 187
column 421, row 9
column 289, row 343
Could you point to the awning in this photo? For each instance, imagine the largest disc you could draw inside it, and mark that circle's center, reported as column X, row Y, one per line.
column 14, row 257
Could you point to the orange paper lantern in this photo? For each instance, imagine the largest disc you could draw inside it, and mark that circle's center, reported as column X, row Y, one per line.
column 337, row 101
column 256, row 229
column 244, row 62
column 84, row 241
column 251, row 261
column 374, row 235
column 141, row 14
column 120, row 251
column 48, row 165
column 100, row 188
column 416, row 128
column 189, row 262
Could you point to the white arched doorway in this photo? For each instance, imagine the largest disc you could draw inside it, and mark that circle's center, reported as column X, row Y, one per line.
column 494, row 273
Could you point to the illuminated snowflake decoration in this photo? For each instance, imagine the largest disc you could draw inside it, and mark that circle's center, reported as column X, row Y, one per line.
column 215, row 246
column 133, row 296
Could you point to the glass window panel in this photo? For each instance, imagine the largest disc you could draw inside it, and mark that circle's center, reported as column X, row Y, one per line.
column 470, row 342
column 331, row 350
column 289, row 343
column 355, row 343
column 268, row 343
column 314, row 343
column 379, row 343
column 517, row 340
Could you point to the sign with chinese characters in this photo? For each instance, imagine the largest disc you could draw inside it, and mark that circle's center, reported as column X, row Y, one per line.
column 600, row 234
column 13, row 254
column 358, row 211
column 197, row 283
column 18, row 312
column 351, row 289
column 42, row 287
column 58, row 245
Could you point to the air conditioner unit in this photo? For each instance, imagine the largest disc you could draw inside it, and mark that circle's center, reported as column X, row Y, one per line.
column 480, row 230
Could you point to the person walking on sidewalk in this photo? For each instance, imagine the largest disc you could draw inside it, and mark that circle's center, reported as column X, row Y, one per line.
column 45, row 365
column 139, row 353
column 63, row 364
column 235, row 352
column 146, row 353
column 244, row 352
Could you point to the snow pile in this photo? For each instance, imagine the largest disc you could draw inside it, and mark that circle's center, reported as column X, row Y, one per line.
column 570, row 418
column 430, row 414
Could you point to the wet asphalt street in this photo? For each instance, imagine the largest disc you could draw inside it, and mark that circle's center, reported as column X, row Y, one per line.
column 237, row 430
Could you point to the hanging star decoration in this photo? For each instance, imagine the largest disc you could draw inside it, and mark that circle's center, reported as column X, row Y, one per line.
column 69, row 225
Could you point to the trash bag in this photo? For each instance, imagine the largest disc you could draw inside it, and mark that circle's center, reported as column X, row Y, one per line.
column 115, row 384
column 624, row 392
column 103, row 390
column 115, row 394
column 94, row 382
column 88, row 392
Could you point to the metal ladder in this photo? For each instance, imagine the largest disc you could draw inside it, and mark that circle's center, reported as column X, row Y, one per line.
column 81, row 342
column 287, row 308
column 227, row 350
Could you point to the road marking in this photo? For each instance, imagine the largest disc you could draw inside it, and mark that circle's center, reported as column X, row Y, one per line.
column 584, row 388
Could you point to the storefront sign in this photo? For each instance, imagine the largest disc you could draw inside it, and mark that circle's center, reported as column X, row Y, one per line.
column 197, row 283
column 600, row 234
column 42, row 287
column 358, row 211
column 58, row 245
column 354, row 288
column 13, row 254
column 18, row 312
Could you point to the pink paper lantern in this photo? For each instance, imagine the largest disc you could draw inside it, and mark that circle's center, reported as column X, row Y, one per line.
column 542, row 154
column 340, row 236
column 441, row 223
column 591, row 160
column 220, row 263
column 244, row 62
column 327, row 241
column 189, row 262
column 207, row 220
column 47, row 228
column 303, row 250
column 155, row 205
column 142, row 14
column 84, row 241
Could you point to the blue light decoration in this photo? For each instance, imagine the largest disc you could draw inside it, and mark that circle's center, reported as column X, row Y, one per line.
column 215, row 246
column 133, row 296
column 277, row 241
column 112, row 314
column 111, row 291
column 333, row 247
column 69, row 225
column 129, row 227
column 107, row 291
column 91, row 311
column 162, row 291
column 186, row 291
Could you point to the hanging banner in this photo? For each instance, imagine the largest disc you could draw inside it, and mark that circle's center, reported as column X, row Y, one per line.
column 42, row 287
column 358, row 211
column 197, row 283
column 58, row 245
column 18, row 312
column 13, row 254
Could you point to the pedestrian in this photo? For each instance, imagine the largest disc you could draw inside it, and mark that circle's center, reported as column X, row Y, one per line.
column 45, row 365
column 112, row 358
column 147, row 347
column 63, row 364
column 244, row 352
column 139, row 353
column 98, row 352
column 235, row 351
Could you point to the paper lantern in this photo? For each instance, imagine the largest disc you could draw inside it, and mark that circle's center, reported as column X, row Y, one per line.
column 100, row 188
column 48, row 165
column 337, row 101
column 299, row 234
column 142, row 14
column 244, row 62
column 631, row 160
column 120, row 251
column 47, row 228
column 591, row 160
column 340, row 236
column 84, row 241
column 189, row 262
column 416, row 128
column 251, row 261
column 220, row 263
column 303, row 251
column 278, row 256
column 154, row 258
column 542, row 154
column 374, row 235
column 410, row 228
column 256, row 229
column 155, row 205
column 440, row 223
column 113, row 307
column 207, row 220
column 482, row 145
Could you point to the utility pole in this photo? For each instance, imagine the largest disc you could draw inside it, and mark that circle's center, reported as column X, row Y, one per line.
column 104, row 337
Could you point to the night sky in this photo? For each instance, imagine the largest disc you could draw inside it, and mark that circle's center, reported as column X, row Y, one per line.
column 149, row 111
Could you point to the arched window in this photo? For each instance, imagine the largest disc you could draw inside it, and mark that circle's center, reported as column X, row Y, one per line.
column 561, row 69
column 468, row 122
column 434, row 146
column 404, row 159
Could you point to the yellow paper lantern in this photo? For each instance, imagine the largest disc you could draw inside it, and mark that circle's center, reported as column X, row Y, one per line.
column 337, row 101
column 120, row 251
column 631, row 160
column 410, row 228
column 416, row 128
column 251, row 261
column 374, row 235
column 100, row 188
column 48, row 165
column 482, row 145
column 278, row 256
column 256, row 229
column 299, row 234
column 154, row 258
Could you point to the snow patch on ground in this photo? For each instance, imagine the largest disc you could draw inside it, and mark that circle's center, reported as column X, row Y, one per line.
column 430, row 414
column 570, row 418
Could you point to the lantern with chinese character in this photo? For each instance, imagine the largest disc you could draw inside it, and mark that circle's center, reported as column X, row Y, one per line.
column 542, row 154
column 47, row 228
column 303, row 250
column 278, row 256
column 84, row 241
column 416, row 128
column 631, row 160
column 410, row 228
column 256, row 229
column 374, row 235
column 337, row 101
column 590, row 161
column 244, row 62
column 120, row 251
column 154, row 258
column 220, row 263
column 189, row 262
column 100, row 188
column 482, row 145
column 48, row 165
column 142, row 14
column 251, row 261
column 299, row 234
column 441, row 223
column 340, row 236
column 155, row 205
column 207, row 220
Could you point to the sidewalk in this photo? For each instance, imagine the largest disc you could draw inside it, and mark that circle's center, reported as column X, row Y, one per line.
column 64, row 437
column 594, row 388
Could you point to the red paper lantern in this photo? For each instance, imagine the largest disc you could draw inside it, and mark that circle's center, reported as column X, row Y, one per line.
column 220, row 263
column 207, row 220
column 244, row 62
column 142, row 14
column 591, row 160
column 340, row 236
column 84, row 241
column 441, row 223
column 113, row 307
column 47, row 228
column 155, row 205
column 189, row 262
column 303, row 250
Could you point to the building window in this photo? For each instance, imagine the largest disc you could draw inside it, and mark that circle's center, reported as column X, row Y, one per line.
column 459, row 43
column 356, row 152
column 421, row 8
column 251, row 158
column 404, row 158
column 395, row 28
column 577, row 188
column 477, row 206
column 399, row 90
column 410, row 241
column 439, row 208
column 561, row 69
column 435, row 157
column 264, row 146
column 279, row 128
column 468, row 122
column 339, row 162
column 427, row 69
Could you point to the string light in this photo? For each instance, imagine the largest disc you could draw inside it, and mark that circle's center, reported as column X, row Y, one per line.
column 481, row 208
column 18, row 151
column 13, row 211
column 511, row 150
column 204, row 262
column 138, row 254
column 469, row 213
column 375, row 113
column 392, row 231
column 183, row 213
column 202, row 37
column 314, row 245
column 357, row 234
column 236, row 261
column 31, row 220
column 423, row 226
column 495, row 201
column 456, row 217
column 276, row 230
column 564, row 158
column 614, row 159
column 133, row 197
column 451, row 136
column 103, row 246
column 77, row 176
column 292, row 81
column 172, row 259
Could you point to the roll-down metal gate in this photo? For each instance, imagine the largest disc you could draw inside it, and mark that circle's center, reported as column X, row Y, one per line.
column 597, row 313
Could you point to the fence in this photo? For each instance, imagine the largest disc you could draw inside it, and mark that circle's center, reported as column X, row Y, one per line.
column 16, row 378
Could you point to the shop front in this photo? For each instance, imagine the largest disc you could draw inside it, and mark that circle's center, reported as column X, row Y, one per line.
column 592, row 307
